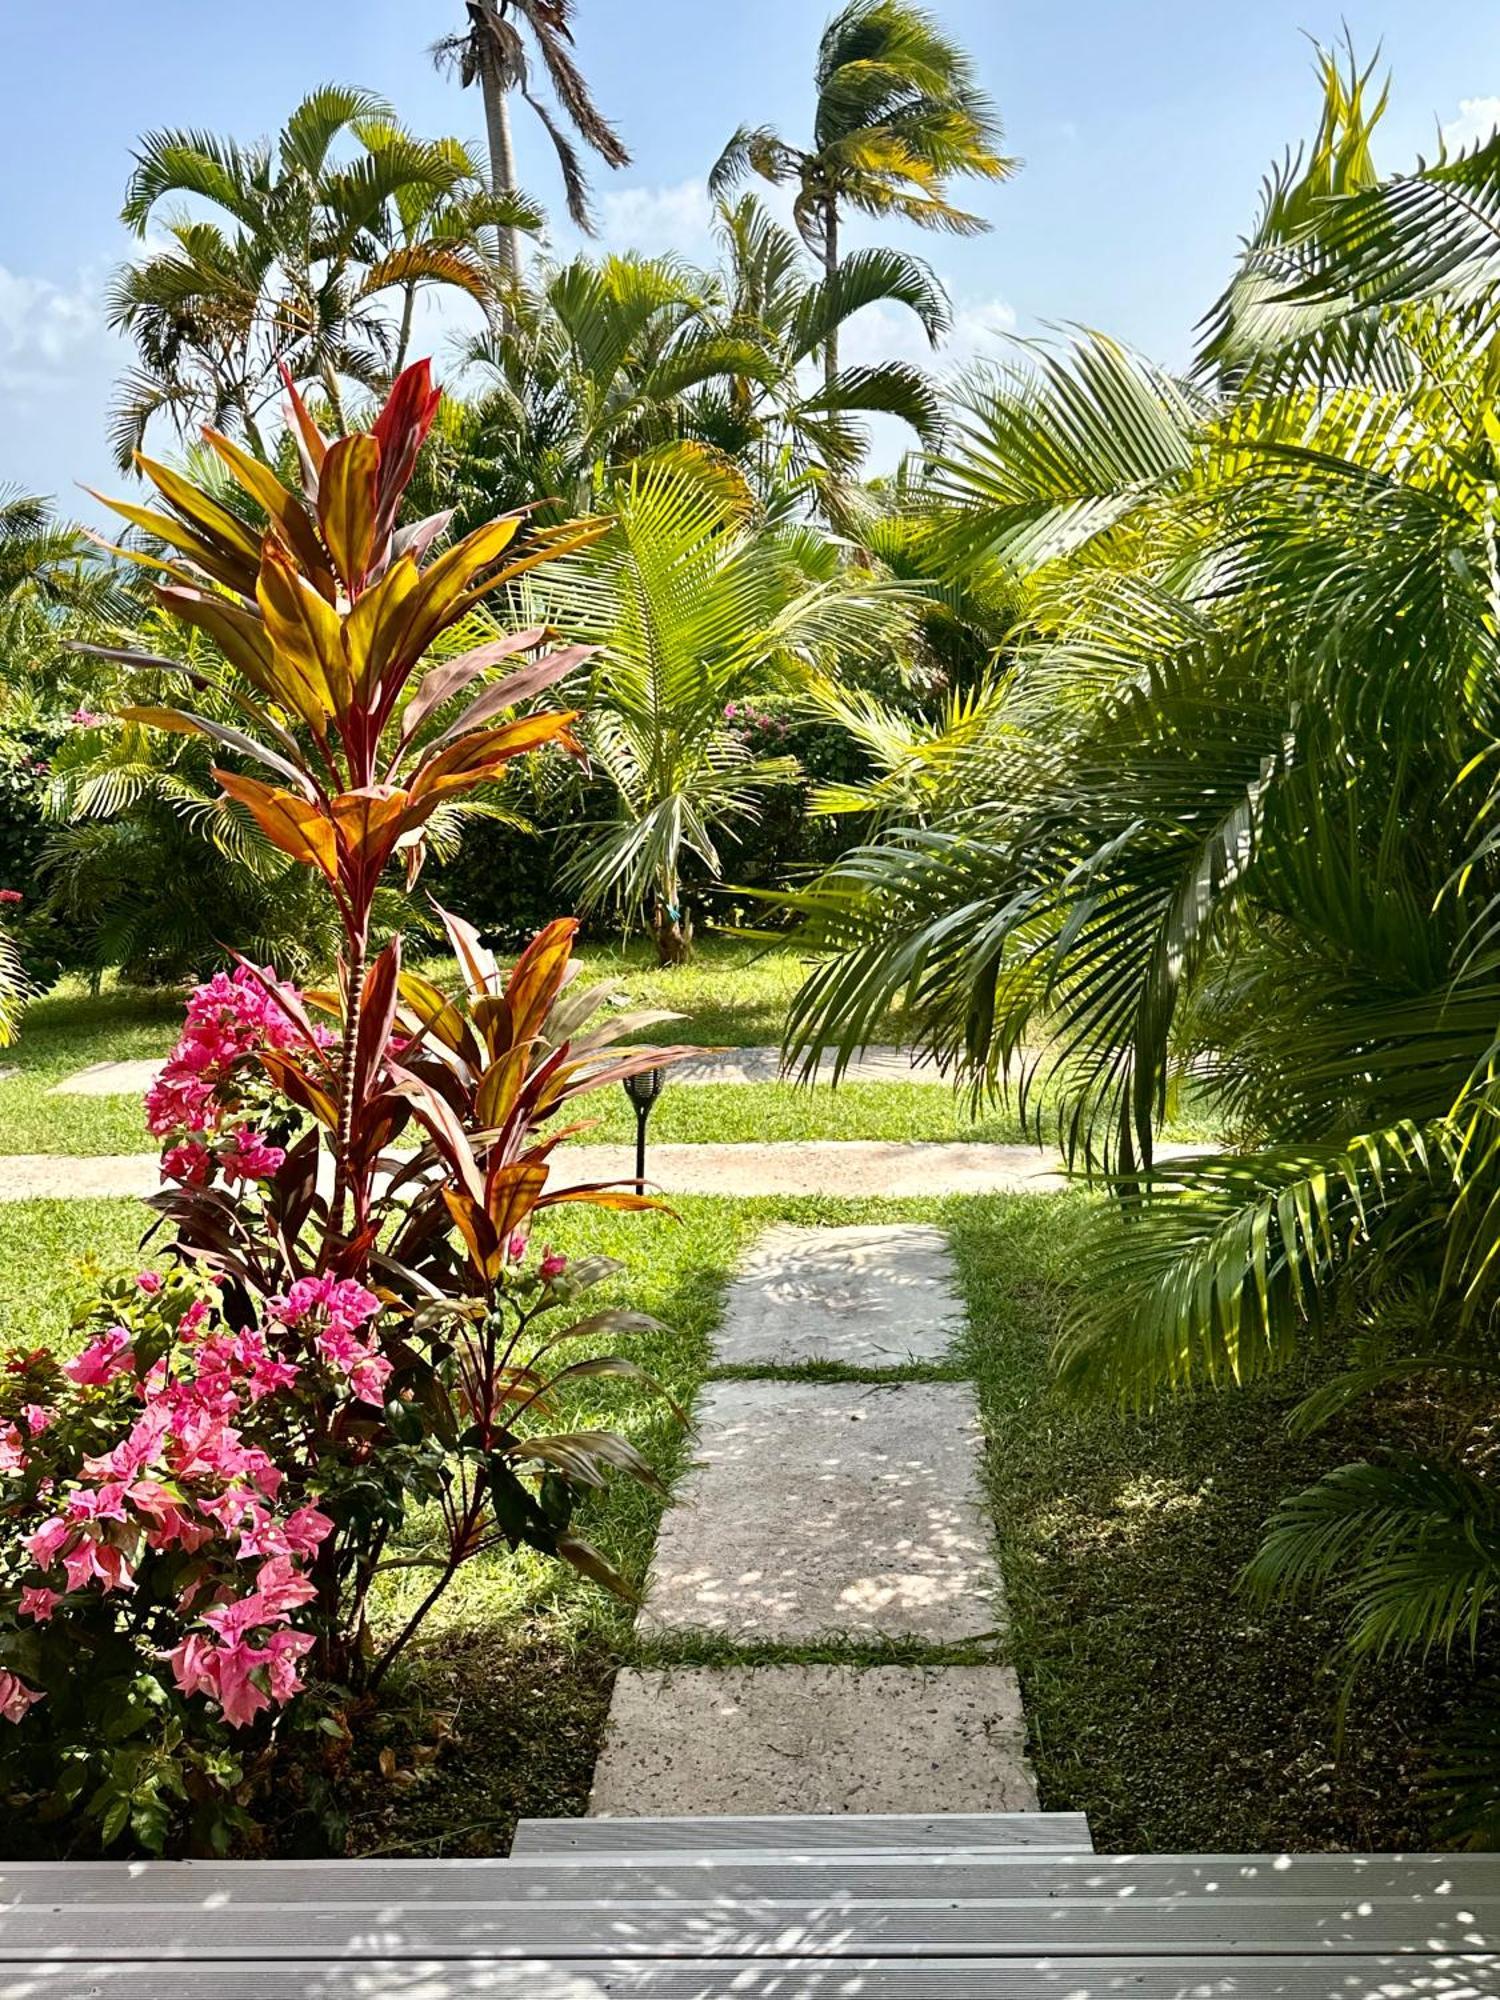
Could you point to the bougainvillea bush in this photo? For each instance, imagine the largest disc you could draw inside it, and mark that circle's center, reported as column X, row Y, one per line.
column 350, row 1318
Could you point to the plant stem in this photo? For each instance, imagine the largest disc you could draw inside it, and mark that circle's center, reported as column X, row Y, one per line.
column 359, row 948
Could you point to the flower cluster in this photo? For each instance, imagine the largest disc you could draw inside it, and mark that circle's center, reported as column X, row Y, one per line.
column 199, row 1099
column 329, row 1313
column 184, row 1484
column 751, row 721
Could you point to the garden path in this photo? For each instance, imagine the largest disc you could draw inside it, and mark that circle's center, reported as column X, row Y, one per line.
column 835, row 1516
column 134, row 1077
column 851, row 1167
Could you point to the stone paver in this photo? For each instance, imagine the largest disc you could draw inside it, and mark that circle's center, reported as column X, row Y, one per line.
column 752, row 1065
column 764, row 1065
column 819, row 1509
column 58, row 1177
column 109, row 1079
column 852, row 1167
column 865, row 1297
column 815, row 1740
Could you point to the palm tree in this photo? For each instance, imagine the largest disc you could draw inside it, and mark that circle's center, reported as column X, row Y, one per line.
column 1237, row 820
column 597, row 366
column 778, row 427
column 693, row 604
column 899, row 113
column 492, row 51
column 313, row 263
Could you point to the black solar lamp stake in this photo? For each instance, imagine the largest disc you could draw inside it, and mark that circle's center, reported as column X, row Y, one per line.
column 643, row 1089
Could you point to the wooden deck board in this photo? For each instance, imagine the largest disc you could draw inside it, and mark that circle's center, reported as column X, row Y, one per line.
column 1212, row 1978
column 803, row 1833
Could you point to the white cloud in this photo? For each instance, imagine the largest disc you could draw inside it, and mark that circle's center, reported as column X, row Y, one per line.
column 1477, row 120
column 658, row 221
column 45, row 328
column 891, row 333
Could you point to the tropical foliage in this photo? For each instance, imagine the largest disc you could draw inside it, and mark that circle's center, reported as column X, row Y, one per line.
column 496, row 49
column 899, row 114
column 312, row 256
column 693, row 604
column 1232, row 827
column 209, row 1491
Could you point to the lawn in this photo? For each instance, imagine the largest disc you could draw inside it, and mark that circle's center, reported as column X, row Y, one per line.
column 66, row 1030
column 731, row 995
column 1159, row 1703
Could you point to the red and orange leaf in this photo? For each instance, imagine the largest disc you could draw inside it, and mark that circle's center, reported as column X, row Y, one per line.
column 539, row 976
column 293, row 1081
column 438, row 1016
column 512, row 1192
column 477, row 1231
column 499, row 1088
column 230, row 569
column 295, row 825
column 346, row 505
column 307, row 640
column 313, row 444
column 215, row 524
column 238, row 632
column 283, row 508
column 605, row 1195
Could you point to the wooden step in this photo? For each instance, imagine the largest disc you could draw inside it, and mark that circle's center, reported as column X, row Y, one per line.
column 1017, row 1905
column 803, row 1833
column 1277, row 1977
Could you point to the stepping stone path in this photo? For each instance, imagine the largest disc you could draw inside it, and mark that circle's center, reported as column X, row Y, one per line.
column 869, row 1298
column 818, row 1512
column 815, row 1739
column 110, row 1079
column 851, row 1167
column 754, row 1065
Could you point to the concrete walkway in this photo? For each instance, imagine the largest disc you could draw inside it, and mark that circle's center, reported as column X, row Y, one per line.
column 852, row 1167
column 133, row 1078
column 818, row 1513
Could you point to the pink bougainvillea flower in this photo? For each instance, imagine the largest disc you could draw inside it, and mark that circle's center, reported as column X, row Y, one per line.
column 149, row 1282
column 188, row 1163
column 16, row 1697
column 12, row 1453
column 249, row 1156
column 101, row 1360
column 38, row 1602
column 553, row 1264
column 307, row 1530
column 44, row 1545
column 515, row 1249
column 38, row 1417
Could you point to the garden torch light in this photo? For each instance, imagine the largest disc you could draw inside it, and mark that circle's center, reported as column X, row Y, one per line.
column 643, row 1089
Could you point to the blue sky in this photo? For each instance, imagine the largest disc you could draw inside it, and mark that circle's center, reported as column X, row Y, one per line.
column 1145, row 129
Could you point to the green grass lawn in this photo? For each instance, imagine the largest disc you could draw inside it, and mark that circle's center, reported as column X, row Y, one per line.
column 66, row 1030
column 1177, row 1715
column 1159, row 1702
column 731, row 995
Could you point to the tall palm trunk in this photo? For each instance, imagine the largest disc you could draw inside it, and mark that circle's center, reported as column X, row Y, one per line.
column 502, row 158
column 830, row 272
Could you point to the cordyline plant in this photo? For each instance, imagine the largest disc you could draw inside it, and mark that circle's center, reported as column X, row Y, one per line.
column 380, row 1328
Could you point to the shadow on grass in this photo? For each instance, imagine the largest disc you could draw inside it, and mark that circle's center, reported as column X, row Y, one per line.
column 1179, row 1716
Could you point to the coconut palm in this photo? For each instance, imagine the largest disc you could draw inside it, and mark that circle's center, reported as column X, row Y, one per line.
column 495, row 50
column 899, row 114
column 693, row 604
column 312, row 260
